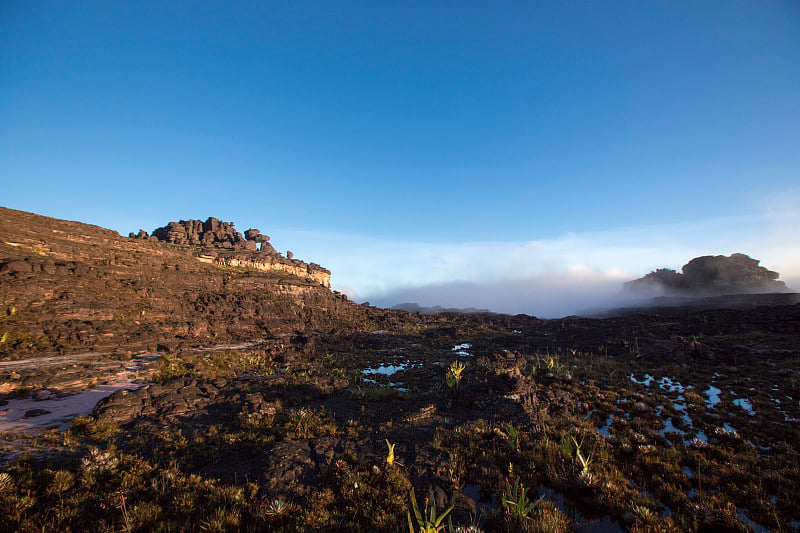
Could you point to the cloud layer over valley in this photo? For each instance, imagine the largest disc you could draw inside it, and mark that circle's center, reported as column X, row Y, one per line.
column 546, row 277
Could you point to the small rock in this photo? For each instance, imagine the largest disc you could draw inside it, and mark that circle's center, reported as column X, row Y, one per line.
column 31, row 413
column 42, row 395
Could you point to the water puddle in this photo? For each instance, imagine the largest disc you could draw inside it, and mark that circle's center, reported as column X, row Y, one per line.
column 605, row 430
column 680, row 406
column 386, row 370
column 670, row 428
column 745, row 404
column 462, row 349
column 669, row 385
column 713, row 396
column 728, row 428
column 648, row 379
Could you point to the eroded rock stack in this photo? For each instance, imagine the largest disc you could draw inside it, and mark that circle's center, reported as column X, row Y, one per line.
column 712, row 274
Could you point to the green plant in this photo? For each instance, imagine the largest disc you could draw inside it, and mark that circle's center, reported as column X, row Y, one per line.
column 453, row 375
column 512, row 434
column 429, row 521
column 516, row 502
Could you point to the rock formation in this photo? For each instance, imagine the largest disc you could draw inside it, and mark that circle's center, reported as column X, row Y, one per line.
column 219, row 243
column 712, row 275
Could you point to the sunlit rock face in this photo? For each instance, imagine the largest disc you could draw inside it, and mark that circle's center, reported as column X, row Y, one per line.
column 712, row 275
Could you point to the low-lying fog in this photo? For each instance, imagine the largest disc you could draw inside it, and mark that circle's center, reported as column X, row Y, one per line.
column 544, row 297
column 547, row 277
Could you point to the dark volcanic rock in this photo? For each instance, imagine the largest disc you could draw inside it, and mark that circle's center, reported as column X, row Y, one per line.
column 712, row 275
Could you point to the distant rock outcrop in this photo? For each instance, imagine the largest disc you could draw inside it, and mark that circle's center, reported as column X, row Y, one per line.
column 712, row 275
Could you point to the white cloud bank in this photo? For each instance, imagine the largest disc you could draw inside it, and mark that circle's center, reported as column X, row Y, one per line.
column 546, row 277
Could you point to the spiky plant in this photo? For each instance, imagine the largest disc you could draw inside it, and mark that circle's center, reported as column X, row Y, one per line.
column 516, row 501
column 428, row 521
column 453, row 375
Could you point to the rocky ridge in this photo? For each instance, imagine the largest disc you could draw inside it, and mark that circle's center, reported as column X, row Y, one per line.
column 220, row 243
column 67, row 286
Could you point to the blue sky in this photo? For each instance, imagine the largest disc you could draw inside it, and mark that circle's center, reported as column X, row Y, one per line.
column 413, row 146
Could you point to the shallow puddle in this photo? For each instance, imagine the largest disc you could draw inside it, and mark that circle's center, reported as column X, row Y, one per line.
column 462, row 349
column 648, row 379
column 713, row 395
column 605, row 430
column 745, row 404
column 385, row 369
column 671, row 385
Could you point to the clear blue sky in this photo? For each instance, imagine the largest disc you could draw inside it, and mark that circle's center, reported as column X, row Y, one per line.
column 435, row 122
